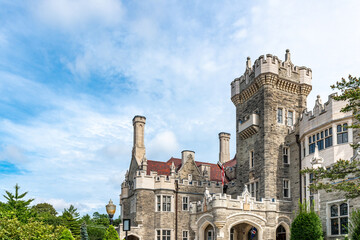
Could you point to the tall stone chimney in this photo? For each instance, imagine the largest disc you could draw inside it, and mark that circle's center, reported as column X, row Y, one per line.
column 139, row 146
column 187, row 155
column 224, row 154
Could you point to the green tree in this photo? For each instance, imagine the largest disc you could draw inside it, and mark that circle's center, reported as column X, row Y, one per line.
column 117, row 221
column 17, row 205
column 66, row 235
column 306, row 225
column 111, row 234
column 70, row 219
column 44, row 208
column 96, row 232
column 83, row 232
column 344, row 175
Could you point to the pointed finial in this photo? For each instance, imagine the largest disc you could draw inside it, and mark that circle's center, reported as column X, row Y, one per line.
column 287, row 55
column 172, row 168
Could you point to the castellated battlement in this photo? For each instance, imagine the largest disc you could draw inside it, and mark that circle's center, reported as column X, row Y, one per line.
column 322, row 113
column 243, row 202
column 155, row 181
column 271, row 65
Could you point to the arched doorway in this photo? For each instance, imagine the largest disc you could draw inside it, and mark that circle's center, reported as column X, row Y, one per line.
column 209, row 233
column 244, row 231
column 132, row 237
column 280, row 233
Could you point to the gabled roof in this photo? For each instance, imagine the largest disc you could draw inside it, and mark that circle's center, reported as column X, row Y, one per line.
column 163, row 168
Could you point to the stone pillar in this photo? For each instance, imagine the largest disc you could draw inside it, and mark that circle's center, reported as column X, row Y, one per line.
column 138, row 145
column 224, row 142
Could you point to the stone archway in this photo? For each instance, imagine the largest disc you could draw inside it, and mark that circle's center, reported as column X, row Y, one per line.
column 132, row 237
column 245, row 230
column 207, row 231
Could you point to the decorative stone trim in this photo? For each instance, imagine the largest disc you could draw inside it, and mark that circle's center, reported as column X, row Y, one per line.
column 276, row 82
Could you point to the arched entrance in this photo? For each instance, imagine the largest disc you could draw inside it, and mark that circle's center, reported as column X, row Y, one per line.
column 209, row 233
column 280, row 233
column 132, row 237
column 244, row 231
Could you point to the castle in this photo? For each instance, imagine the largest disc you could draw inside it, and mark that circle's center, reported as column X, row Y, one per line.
column 276, row 137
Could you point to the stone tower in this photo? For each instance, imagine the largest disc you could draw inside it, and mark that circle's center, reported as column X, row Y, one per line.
column 138, row 145
column 269, row 97
column 224, row 142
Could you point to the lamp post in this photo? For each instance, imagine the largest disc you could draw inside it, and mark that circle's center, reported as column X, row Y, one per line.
column 110, row 209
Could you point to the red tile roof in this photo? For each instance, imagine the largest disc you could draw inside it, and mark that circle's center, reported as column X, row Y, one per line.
column 163, row 168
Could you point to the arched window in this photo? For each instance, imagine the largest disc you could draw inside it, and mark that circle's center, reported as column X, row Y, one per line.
column 280, row 233
column 339, row 214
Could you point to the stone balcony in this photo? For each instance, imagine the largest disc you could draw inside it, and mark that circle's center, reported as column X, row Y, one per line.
column 250, row 126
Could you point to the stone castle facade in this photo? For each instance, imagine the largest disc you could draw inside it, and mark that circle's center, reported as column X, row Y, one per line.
column 276, row 137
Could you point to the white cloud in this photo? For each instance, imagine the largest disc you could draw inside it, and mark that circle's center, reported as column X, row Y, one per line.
column 163, row 145
column 74, row 14
column 13, row 154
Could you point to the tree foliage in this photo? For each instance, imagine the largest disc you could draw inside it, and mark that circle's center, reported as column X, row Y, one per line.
column 12, row 228
column 66, row 235
column 44, row 208
column 306, row 225
column 17, row 205
column 83, row 232
column 70, row 218
column 111, row 234
column 354, row 224
column 344, row 175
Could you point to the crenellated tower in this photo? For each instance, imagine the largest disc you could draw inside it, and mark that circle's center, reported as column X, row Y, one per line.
column 269, row 97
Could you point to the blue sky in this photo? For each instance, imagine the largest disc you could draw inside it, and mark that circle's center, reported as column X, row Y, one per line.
column 74, row 73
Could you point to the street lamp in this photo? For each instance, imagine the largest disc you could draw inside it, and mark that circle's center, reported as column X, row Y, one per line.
column 110, row 209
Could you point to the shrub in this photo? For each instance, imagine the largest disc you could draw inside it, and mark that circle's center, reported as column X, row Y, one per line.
column 111, row 234
column 354, row 224
column 66, row 235
column 306, row 225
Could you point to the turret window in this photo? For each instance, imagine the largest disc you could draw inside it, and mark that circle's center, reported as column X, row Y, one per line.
column 286, row 188
column 252, row 159
column 290, row 118
column 286, row 155
column 254, row 189
column 280, row 115
column 185, row 203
